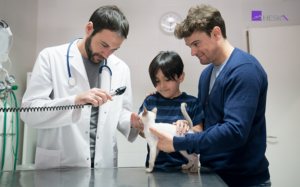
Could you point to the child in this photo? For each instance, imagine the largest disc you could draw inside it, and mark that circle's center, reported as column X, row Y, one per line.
column 166, row 73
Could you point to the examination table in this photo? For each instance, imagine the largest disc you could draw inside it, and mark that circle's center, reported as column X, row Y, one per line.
column 109, row 177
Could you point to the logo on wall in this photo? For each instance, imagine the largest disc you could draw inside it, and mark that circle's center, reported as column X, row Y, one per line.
column 257, row 16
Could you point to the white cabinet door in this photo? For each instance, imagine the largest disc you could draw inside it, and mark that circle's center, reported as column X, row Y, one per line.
column 278, row 50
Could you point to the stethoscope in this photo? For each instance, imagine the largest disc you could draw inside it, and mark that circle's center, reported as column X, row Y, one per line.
column 103, row 71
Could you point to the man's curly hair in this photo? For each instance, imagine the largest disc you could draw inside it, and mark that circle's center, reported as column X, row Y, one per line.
column 200, row 18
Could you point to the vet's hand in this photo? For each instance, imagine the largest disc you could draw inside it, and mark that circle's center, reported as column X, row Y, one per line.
column 95, row 96
column 151, row 93
column 165, row 142
column 182, row 126
column 136, row 122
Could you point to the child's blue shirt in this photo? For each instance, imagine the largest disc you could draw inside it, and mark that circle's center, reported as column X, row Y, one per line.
column 169, row 111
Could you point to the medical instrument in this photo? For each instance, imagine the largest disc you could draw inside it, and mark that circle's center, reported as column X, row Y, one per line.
column 105, row 76
column 118, row 91
column 72, row 81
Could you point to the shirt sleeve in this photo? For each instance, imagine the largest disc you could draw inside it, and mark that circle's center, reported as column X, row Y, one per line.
column 124, row 125
column 242, row 90
column 143, row 104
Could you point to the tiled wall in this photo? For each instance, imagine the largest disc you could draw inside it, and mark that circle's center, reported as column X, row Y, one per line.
column 21, row 16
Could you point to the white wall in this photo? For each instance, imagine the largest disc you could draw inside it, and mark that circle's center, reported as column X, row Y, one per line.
column 21, row 16
column 279, row 57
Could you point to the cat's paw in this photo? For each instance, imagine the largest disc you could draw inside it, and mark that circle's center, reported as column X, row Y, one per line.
column 149, row 170
column 184, row 166
column 194, row 170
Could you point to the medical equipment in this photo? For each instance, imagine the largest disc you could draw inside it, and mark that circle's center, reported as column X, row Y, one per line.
column 72, row 80
column 9, row 127
column 5, row 36
column 105, row 70
column 118, row 91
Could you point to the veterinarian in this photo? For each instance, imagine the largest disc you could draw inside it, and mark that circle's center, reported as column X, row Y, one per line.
column 82, row 137
column 232, row 89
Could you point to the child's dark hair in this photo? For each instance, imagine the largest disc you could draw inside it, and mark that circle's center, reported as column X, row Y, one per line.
column 170, row 64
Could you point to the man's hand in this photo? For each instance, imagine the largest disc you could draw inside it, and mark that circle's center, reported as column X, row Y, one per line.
column 182, row 126
column 136, row 122
column 151, row 93
column 165, row 142
column 95, row 96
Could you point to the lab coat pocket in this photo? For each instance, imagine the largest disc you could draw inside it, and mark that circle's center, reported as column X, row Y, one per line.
column 47, row 159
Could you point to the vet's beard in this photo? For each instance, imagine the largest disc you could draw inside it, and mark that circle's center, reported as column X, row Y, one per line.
column 91, row 55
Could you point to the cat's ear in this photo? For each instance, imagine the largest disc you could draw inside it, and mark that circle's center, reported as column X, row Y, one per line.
column 154, row 110
column 145, row 111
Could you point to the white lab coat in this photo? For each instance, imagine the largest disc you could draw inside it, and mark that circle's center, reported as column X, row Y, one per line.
column 64, row 138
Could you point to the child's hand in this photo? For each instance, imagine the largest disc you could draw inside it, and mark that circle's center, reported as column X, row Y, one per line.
column 151, row 93
column 182, row 126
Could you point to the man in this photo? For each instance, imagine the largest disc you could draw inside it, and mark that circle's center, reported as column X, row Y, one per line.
column 82, row 137
column 232, row 90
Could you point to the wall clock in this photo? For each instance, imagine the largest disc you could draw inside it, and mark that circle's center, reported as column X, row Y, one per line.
column 168, row 22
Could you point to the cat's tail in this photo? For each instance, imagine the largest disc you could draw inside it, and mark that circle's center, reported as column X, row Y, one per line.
column 187, row 117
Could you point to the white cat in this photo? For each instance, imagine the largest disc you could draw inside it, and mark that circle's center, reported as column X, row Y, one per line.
column 148, row 118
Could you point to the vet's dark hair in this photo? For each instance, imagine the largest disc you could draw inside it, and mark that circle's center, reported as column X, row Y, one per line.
column 170, row 64
column 111, row 18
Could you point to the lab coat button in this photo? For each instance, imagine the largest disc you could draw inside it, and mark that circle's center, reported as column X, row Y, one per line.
column 86, row 132
column 97, row 137
column 105, row 112
column 87, row 158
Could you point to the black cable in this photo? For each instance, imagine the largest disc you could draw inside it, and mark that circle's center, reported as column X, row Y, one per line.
column 118, row 91
column 41, row 109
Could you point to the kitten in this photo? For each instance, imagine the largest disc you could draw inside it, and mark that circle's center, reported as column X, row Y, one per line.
column 148, row 118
